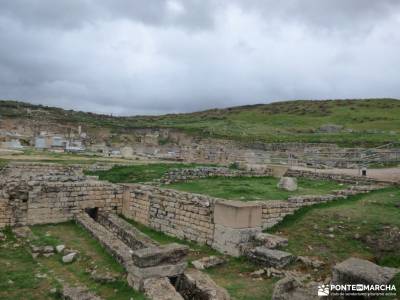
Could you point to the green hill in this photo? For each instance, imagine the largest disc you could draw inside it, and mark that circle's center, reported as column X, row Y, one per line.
column 356, row 122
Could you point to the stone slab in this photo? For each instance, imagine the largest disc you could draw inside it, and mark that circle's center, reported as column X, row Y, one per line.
column 355, row 270
column 237, row 214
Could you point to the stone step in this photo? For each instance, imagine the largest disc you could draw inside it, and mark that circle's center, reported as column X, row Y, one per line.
column 270, row 257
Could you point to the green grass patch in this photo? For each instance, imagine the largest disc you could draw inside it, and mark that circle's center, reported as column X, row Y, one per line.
column 366, row 122
column 359, row 226
column 23, row 268
column 253, row 188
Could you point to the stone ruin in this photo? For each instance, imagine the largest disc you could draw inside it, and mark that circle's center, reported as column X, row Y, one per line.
column 35, row 194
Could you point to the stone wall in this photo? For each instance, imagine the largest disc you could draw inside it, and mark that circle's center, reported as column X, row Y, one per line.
column 184, row 215
column 50, row 194
column 181, row 175
column 273, row 211
column 331, row 176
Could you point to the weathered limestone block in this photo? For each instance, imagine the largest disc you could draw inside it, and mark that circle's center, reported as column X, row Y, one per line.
column 208, row 262
column 271, row 241
column 194, row 284
column 167, row 254
column 160, row 289
column 137, row 276
column 355, row 270
column 289, row 288
column 78, row 293
column 237, row 214
column 232, row 241
column 288, row 184
column 270, row 257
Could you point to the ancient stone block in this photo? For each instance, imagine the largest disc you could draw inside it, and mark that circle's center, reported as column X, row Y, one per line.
column 167, row 254
column 270, row 257
column 237, row 214
column 355, row 270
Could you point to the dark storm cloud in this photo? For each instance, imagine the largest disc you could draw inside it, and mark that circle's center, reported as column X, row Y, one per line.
column 160, row 56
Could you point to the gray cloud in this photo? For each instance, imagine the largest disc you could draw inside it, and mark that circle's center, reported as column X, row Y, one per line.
column 135, row 57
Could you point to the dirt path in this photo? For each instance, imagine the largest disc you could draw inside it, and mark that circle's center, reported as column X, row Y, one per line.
column 388, row 174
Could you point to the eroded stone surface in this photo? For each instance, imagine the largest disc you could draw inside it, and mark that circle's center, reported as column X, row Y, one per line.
column 167, row 254
column 194, row 284
column 355, row 270
column 208, row 262
column 290, row 288
column 288, row 184
column 270, row 257
column 271, row 241
column 78, row 293
column 160, row 289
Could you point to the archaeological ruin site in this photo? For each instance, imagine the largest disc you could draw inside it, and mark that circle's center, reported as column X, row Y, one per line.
column 95, row 212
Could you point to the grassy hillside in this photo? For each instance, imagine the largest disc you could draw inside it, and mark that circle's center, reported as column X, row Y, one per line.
column 365, row 122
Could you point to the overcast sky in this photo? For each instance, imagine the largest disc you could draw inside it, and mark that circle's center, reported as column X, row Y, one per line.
column 149, row 57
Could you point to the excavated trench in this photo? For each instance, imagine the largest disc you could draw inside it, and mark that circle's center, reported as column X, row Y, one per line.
column 159, row 271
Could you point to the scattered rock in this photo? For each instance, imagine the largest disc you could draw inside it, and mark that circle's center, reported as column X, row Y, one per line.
column 23, row 232
column 355, row 270
column 207, row 262
column 331, row 235
column 48, row 249
column 330, row 128
column 69, row 258
column 60, row 248
column 310, row 262
column 271, row 241
column 53, row 291
column 78, row 293
column 357, row 236
column 48, row 254
column 103, row 277
column 331, row 229
column 257, row 273
column 2, row 236
column 288, row 184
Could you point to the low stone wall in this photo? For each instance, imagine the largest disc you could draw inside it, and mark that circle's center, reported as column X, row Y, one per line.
column 331, row 176
column 143, row 263
column 125, row 231
column 51, row 195
column 182, row 175
column 274, row 211
column 184, row 215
